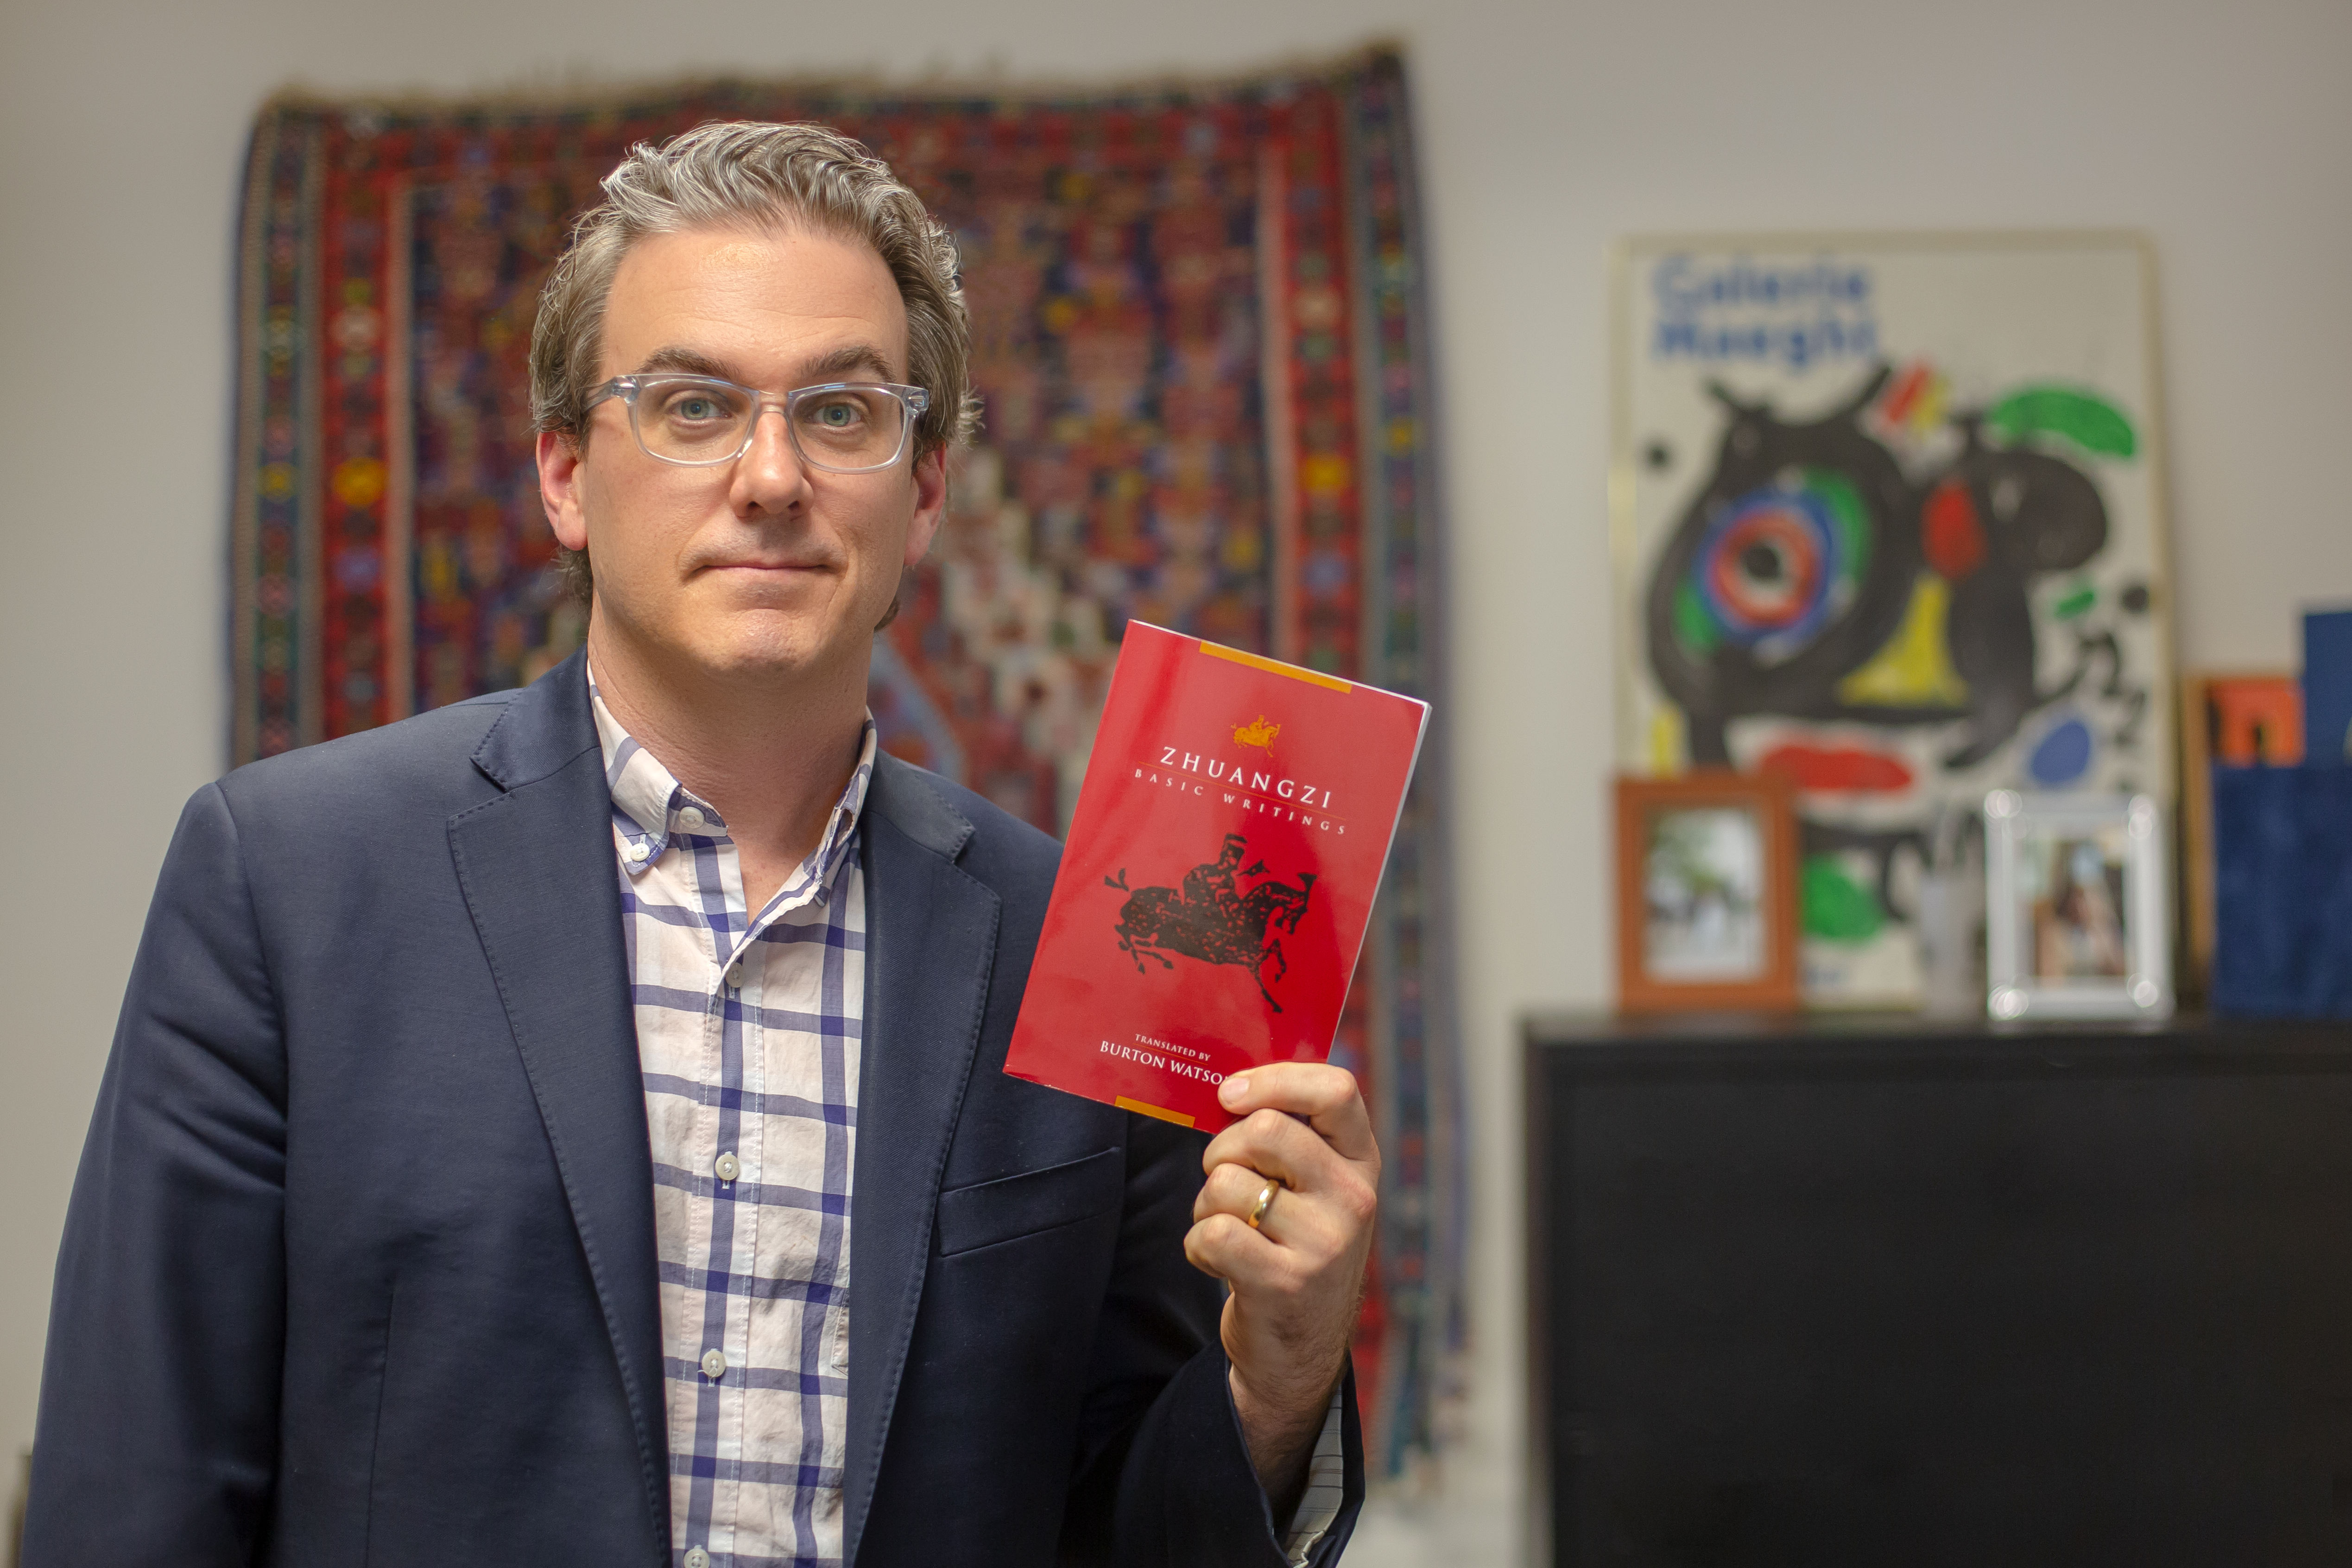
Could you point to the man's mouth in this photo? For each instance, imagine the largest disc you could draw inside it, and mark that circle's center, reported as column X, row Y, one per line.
column 776, row 566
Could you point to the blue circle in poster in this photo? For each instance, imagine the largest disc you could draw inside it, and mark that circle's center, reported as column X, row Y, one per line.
column 1767, row 567
column 2063, row 755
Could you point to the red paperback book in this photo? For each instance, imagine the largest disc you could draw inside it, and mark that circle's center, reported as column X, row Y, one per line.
column 1218, row 878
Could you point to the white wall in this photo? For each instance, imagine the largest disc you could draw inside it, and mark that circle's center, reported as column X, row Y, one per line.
column 1547, row 129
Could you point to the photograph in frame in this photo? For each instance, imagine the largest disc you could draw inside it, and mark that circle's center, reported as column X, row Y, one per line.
column 1706, row 899
column 2078, row 918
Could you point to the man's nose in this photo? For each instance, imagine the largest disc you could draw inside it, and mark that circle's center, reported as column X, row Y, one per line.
column 769, row 476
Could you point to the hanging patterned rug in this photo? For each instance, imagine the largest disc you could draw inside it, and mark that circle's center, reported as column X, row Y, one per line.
column 1200, row 334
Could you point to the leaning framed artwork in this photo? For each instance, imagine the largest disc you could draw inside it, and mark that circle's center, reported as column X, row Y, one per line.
column 1888, row 520
column 1706, row 893
column 2078, row 915
column 2239, row 720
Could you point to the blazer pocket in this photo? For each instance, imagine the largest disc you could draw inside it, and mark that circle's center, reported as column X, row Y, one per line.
column 1007, row 1209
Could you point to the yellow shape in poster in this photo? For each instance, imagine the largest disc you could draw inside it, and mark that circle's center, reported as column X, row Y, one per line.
column 1914, row 669
column 1669, row 743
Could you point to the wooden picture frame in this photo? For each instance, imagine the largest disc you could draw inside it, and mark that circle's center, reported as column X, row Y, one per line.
column 1706, row 917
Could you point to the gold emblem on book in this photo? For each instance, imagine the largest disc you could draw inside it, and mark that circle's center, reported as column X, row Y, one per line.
column 1259, row 733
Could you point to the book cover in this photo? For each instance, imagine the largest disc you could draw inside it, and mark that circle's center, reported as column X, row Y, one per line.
column 1218, row 877
column 2327, row 687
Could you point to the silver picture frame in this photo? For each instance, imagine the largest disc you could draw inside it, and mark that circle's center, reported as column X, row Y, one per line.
column 2077, row 908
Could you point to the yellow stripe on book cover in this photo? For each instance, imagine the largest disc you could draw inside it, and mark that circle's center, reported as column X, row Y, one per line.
column 1276, row 667
column 1178, row 1117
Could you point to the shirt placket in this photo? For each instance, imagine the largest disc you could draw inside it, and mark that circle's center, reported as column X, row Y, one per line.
column 729, row 1055
column 839, row 1055
column 744, row 983
column 801, row 1324
column 745, row 989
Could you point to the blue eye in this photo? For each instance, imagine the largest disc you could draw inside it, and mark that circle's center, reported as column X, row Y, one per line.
column 695, row 403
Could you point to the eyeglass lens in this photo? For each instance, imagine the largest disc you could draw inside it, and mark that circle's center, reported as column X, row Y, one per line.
column 691, row 421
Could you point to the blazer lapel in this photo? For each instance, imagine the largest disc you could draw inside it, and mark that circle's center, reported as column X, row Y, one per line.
column 931, row 942
column 536, row 868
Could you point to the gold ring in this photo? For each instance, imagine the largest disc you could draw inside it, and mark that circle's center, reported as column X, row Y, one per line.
column 1264, row 1201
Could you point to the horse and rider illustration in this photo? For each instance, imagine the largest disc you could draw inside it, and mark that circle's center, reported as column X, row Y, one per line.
column 1208, row 917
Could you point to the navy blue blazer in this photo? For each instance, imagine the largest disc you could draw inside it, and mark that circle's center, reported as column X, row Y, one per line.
column 360, row 1265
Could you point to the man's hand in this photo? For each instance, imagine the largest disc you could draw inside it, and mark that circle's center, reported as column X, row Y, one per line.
column 1299, row 1278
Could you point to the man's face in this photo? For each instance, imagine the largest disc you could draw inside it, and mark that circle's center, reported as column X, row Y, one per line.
column 762, row 565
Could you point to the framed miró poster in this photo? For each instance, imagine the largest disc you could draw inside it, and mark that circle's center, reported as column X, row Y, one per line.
column 1887, row 518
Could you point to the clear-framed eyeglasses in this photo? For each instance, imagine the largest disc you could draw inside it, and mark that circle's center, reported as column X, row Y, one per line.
column 699, row 421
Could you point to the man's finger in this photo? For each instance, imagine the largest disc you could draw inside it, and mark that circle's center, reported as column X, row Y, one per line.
column 1232, row 1189
column 1278, row 1144
column 1222, row 1246
column 1315, row 1227
column 1323, row 1095
column 1238, row 1189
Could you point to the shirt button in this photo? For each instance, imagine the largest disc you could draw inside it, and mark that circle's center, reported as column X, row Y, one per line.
column 689, row 817
column 714, row 1364
column 697, row 1558
column 735, row 975
column 638, row 852
column 729, row 1167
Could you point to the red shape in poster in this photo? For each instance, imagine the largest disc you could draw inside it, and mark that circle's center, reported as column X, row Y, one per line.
column 1901, row 397
column 1829, row 768
column 1950, row 533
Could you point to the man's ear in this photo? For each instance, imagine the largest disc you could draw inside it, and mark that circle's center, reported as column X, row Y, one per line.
column 559, row 488
column 930, row 481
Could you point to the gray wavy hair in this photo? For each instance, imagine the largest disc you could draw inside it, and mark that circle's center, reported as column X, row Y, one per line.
column 746, row 174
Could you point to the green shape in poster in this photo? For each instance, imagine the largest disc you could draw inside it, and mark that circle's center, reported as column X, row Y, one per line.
column 1837, row 492
column 1834, row 906
column 1697, row 628
column 2085, row 418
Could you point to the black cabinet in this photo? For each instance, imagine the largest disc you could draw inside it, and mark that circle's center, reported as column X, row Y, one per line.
column 1856, row 1291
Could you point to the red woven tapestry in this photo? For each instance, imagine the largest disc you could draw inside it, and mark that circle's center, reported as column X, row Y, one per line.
column 1199, row 335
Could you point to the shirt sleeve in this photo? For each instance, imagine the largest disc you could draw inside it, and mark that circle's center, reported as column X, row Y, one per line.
column 1326, row 1488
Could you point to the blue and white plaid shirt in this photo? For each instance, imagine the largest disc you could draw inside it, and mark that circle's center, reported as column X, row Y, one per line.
column 747, row 1033
column 748, row 1029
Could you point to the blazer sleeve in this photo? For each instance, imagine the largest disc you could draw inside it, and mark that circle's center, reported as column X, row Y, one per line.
column 157, row 1434
column 1164, row 1478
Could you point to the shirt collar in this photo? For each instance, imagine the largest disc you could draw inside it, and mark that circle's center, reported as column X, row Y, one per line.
column 651, row 808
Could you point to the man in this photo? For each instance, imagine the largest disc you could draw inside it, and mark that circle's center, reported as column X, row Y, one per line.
column 570, row 1127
